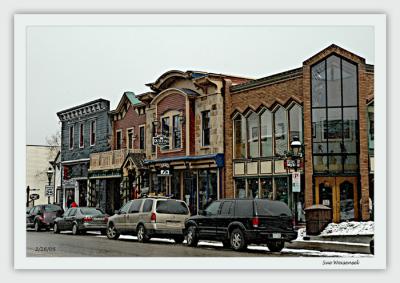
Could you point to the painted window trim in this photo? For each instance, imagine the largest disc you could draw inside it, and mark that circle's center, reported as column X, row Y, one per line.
column 144, row 136
column 202, row 129
column 170, row 115
column 71, row 139
column 81, row 135
column 116, row 140
column 133, row 137
column 93, row 124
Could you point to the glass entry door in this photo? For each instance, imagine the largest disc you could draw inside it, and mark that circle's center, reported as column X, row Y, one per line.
column 340, row 194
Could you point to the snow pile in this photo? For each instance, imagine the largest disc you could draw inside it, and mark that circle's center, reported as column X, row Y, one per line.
column 349, row 228
column 301, row 233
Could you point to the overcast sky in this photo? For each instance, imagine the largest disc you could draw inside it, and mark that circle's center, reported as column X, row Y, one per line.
column 68, row 66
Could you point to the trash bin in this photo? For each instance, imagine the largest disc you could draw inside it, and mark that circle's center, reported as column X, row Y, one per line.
column 317, row 218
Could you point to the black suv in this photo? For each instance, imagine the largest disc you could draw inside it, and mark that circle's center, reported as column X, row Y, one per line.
column 239, row 222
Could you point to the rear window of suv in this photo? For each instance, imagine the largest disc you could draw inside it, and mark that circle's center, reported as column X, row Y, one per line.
column 244, row 208
column 171, row 207
column 272, row 208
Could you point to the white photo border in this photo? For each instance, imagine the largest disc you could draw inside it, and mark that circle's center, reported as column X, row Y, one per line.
column 23, row 21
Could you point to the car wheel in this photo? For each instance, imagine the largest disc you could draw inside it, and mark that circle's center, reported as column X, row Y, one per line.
column 238, row 242
column 75, row 230
column 56, row 230
column 276, row 246
column 142, row 235
column 179, row 239
column 37, row 226
column 191, row 237
column 112, row 233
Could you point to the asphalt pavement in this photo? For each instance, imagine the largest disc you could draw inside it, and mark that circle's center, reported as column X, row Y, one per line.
column 48, row 244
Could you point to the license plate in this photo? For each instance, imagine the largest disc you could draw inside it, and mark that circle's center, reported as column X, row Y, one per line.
column 98, row 219
column 276, row 235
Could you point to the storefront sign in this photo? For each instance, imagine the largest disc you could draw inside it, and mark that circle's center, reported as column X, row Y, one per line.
column 160, row 140
column 296, row 181
column 164, row 173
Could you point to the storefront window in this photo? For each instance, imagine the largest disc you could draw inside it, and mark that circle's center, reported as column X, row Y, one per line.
column 165, row 131
column 266, row 188
column 318, row 85
column 176, row 185
column 266, row 134
column 333, row 81
column 240, row 137
column 207, row 187
column 281, row 138
column 240, row 188
column 296, row 122
column 252, row 188
column 176, row 137
column 282, row 189
column 252, row 134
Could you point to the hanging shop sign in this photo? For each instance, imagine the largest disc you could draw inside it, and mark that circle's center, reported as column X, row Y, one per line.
column 160, row 140
column 164, row 172
column 34, row 196
column 296, row 181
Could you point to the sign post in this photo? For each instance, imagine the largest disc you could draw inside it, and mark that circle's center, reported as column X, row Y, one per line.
column 296, row 181
column 48, row 191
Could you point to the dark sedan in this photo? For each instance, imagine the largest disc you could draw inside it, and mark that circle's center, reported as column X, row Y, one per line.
column 81, row 219
column 42, row 216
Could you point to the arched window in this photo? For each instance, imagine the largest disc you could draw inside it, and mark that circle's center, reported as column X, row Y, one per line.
column 266, row 134
column 239, row 126
column 296, row 122
column 281, row 128
column 253, row 128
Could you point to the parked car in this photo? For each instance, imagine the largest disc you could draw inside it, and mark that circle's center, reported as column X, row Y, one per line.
column 239, row 222
column 150, row 217
column 81, row 219
column 42, row 216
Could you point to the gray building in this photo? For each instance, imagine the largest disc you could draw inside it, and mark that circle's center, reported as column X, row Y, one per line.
column 85, row 129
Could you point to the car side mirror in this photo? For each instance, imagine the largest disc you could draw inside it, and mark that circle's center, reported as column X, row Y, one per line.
column 117, row 212
column 27, row 213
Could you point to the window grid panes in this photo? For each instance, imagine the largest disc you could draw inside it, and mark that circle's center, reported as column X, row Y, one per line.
column 335, row 118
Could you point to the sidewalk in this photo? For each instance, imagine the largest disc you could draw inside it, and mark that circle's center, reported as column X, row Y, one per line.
column 350, row 237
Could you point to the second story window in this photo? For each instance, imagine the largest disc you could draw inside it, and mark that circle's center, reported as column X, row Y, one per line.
column 205, row 125
column 129, row 137
column 71, row 137
column 153, row 129
column 118, row 140
column 81, row 142
column 92, row 132
column 165, row 131
column 176, row 133
column 141, row 137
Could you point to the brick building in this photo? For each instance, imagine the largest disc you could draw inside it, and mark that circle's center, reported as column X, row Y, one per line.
column 113, row 174
column 328, row 104
column 185, row 110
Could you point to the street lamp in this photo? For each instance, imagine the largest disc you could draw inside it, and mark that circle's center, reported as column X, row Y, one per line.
column 296, row 154
column 50, row 173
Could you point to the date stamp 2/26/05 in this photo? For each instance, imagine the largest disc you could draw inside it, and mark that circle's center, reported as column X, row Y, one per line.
column 45, row 249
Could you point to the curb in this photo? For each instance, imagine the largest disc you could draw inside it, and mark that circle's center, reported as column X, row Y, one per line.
column 330, row 246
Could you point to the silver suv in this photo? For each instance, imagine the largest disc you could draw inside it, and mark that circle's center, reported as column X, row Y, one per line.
column 150, row 217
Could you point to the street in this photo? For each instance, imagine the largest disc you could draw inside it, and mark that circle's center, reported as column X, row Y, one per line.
column 48, row 244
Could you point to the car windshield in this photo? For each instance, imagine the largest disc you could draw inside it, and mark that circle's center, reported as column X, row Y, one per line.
column 52, row 208
column 90, row 211
column 171, row 207
column 272, row 208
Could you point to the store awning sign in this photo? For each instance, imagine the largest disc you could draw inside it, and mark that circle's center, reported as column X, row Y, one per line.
column 160, row 140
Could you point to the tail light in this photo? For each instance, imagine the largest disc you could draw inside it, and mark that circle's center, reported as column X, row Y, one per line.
column 153, row 217
column 87, row 219
column 40, row 218
column 106, row 219
column 255, row 221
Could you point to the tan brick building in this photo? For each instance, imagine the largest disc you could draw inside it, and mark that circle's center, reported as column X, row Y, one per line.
column 328, row 105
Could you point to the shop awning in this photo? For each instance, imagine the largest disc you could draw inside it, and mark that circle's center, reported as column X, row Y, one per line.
column 218, row 158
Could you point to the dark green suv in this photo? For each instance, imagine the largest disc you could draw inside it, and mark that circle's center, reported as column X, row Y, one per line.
column 239, row 222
